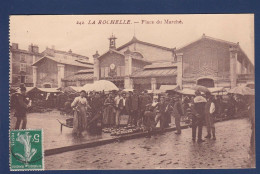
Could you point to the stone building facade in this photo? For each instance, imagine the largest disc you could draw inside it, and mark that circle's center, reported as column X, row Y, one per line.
column 213, row 62
column 21, row 71
column 80, row 78
column 55, row 65
column 122, row 65
column 207, row 61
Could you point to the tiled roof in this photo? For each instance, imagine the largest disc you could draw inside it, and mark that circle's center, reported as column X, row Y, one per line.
column 67, row 53
column 216, row 40
column 160, row 65
column 76, row 77
column 83, row 71
column 135, row 40
column 209, row 38
column 118, row 52
column 155, row 72
column 111, row 50
column 70, row 61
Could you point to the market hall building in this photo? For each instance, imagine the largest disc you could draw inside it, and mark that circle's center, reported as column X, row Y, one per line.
column 136, row 65
column 141, row 65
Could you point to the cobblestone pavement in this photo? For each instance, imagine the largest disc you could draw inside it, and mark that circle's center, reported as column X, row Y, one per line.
column 53, row 138
column 230, row 150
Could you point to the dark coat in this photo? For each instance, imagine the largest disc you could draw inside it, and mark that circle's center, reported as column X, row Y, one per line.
column 199, row 108
column 162, row 107
column 145, row 99
column 96, row 104
column 128, row 104
column 21, row 106
column 177, row 109
column 135, row 102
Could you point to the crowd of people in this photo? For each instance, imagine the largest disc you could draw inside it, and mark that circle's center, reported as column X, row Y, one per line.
column 144, row 110
column 150, row 111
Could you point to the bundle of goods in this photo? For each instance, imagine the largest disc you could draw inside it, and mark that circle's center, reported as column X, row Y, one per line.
column 121, row 131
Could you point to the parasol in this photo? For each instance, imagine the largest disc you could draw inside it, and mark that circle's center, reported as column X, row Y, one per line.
column 242, row 90
column 200, row 88
column 100, row 85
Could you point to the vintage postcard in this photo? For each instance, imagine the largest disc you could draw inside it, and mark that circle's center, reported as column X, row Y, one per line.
column 154, row 91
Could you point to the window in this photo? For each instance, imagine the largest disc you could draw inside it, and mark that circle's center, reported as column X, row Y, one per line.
column 47, row 85
column 23, row 67
column 22, row 58
column 22, row 79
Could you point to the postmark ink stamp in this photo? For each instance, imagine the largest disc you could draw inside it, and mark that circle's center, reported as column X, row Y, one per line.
column 26, row 150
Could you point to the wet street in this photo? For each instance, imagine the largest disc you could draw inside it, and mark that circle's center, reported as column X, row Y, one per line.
column 165, row 151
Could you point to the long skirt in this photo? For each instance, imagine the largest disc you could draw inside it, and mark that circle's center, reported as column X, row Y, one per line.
column 149, row 120
column 80, row 119
column 109, row 116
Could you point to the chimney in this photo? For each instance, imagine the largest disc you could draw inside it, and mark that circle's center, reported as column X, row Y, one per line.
column 49, row 51
column 30, row 48
column 70, row 51
column 35, row 49
column 15, row 46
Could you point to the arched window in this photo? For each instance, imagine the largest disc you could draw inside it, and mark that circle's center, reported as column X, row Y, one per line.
column 47, row 85
column 207, row 82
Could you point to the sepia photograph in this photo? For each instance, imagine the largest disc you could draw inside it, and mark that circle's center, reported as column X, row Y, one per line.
column 128, row 92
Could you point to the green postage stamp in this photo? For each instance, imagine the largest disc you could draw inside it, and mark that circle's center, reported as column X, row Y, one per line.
column 26, row 150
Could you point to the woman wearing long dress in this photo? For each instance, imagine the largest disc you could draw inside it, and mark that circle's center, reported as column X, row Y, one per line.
column 80, row 106
column 108, row 115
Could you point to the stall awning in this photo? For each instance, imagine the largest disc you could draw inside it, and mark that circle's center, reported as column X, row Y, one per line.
column 155, row 72
column 49, row 90
column 217, row 89
column 169, row 87
column 76, row 77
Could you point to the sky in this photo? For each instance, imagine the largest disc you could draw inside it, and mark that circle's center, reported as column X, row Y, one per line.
column 65, row 32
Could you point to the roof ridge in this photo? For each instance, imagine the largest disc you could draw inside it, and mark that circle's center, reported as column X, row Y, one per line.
column 206, row 37
column 135, row 40
column 61, row 51
column 118, row 52
column 62, row 61
column 220, row 40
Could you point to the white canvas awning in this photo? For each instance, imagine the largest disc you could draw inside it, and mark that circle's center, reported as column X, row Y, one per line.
column 169, row 87
column 49, row 90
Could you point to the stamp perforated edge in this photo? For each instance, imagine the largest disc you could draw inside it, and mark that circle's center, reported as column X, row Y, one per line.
column 42, row 132
column 43, row 164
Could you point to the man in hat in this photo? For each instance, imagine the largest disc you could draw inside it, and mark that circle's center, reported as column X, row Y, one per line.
column 21, row 107
column 178, row 112
column 135, row 107
column 145, row 99
column 198, row 116
column 209, row 116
